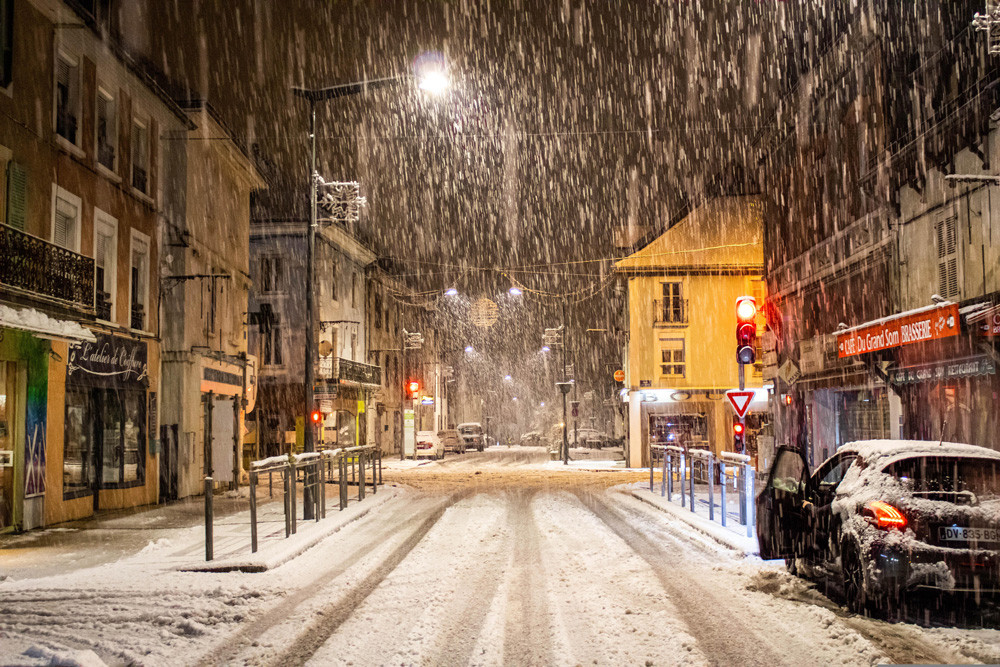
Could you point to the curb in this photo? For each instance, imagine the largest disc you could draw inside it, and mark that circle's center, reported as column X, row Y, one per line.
column 695, row 523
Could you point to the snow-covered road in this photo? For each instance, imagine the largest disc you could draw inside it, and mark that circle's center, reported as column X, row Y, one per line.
column 513, row 570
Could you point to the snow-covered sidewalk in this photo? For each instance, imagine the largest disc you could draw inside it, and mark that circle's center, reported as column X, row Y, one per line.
column 733, row 534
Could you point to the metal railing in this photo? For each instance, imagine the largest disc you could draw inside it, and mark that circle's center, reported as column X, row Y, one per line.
column 670, row 311
column 34, row 265
column 351, row 466
column 685, row 466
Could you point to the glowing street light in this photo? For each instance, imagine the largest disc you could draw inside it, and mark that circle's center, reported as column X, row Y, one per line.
column 451, row 291
column 507, row 377
column 433, row 81
column 469, row 349
column 515, row 291
column 545, row 348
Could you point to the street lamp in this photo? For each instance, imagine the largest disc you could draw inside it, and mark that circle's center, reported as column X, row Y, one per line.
column 515, row 291
column 469, row 349
column 451, row 291
column 545, row 348
column 433, row 81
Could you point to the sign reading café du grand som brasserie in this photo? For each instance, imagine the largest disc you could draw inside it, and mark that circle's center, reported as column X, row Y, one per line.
column 112, row 360
column 916, row 327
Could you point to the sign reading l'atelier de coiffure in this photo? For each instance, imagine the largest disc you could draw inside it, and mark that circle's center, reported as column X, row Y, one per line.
column 112, row 360
column 923, row 325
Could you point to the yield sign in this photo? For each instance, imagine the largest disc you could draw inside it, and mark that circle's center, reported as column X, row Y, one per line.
column 740, row 401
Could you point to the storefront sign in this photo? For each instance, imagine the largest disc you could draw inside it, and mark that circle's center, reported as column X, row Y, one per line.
column 961, row 368
column 924, row 325
column 811, row 355
column 111, row 361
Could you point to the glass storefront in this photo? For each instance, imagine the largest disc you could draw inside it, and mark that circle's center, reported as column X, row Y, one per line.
column 105, row 432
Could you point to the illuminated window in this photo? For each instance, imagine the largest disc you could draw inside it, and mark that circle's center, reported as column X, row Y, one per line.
column 672, row 362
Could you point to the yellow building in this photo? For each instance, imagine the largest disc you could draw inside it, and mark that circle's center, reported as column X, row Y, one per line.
column 682, row 291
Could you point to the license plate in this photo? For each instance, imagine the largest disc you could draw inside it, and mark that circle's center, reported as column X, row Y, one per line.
column 958, row 534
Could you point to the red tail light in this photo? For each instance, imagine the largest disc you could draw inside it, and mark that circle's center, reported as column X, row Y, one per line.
column 884, row 515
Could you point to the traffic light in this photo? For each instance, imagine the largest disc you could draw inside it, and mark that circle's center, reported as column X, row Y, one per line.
column 738, row 431
column 413, row 389
column 316, row 416
column 746, row 329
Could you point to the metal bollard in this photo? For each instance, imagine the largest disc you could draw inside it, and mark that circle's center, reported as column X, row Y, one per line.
column 209, row 520
column 683, row 470
column 270, row 486
column 743, row 496
column 711, row 487
column 292, row 497
column 669, row 463
column 322, row 486
column 663, row 477
column 722, row 488
column 374, row 455
column 314, row 475
column 361, row 475
column 691, row 484
column 253, row 512
column 750, row 500
column 652, row 453
column 288, row 507
column 342, row 463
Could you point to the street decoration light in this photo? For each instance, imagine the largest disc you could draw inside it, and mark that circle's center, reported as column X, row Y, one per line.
column 515, row 291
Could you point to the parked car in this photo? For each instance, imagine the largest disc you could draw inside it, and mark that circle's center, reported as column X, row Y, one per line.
column 532, row 439
column 472, row 434
column 884, row 518
column 429, row 444
column 451, row 441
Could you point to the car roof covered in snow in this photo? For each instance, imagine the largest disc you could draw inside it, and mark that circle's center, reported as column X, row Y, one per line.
column 879, row 453
column 470, row 424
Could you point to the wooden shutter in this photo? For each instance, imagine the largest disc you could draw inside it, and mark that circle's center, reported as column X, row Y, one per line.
column 946, row 237
column 17, row 195
column 64, row 229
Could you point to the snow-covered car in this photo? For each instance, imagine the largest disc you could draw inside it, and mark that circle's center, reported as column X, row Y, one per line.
column 882, row 518
column 429, row 444
column 451, row 441
column 532, row 439
column 472, row 434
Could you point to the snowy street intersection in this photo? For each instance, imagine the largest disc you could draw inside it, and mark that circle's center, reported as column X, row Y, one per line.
column 485, row 559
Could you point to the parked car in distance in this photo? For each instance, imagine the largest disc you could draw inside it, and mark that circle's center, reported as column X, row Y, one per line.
column 472, row 434
column 532, row 439
column 429, row 444
column 883, row 518
column 451, row 441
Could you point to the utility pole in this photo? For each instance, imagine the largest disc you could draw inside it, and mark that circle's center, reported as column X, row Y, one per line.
column 565, row 388
column 309, row 436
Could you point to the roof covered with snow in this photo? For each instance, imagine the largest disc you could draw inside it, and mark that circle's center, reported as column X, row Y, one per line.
column 37, row 322
column 724, row 232
column 870, row 450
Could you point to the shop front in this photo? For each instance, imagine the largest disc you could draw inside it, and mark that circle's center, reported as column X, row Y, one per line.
column 105, row 461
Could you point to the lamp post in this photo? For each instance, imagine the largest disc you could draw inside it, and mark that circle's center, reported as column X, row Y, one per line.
column 313, row 95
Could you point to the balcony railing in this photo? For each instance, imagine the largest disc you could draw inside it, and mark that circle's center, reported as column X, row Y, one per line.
column 670, row 312
column 139, row 179
column 28, row 263
column 102, row 304
column 106, row 155
column 138, row 316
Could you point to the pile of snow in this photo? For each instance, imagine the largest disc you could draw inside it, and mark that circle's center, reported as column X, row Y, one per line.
column 29, row 319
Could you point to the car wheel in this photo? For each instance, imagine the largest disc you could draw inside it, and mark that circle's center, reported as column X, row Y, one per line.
column 852, row 571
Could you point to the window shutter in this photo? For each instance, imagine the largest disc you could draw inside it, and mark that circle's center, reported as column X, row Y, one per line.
column 17, row 195
column 946, row 238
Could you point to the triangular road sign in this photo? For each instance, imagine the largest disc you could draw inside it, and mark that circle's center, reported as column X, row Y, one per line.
column 740, row 401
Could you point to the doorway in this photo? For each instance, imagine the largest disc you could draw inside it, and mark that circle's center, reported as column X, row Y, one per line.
column 11, row 445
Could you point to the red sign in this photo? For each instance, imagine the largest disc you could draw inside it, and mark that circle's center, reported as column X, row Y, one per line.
column 917, row 327
column 619, row 375
column 986, row 321
column 740, row 401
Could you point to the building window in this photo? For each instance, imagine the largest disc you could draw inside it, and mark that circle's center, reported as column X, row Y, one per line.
column 270, row 274
column 946, row 237
column 270, row 333
column 672, row 357
column 671, row 308
column 17, row 195
column 78, row 447
column 66, row 210
column 377, row 307
column 105, row 264
column 354, row 290
column 107, row 130
column 67, row 98
column 140, row 156
column 6, row 42
column 354, row 347
column 139, row 280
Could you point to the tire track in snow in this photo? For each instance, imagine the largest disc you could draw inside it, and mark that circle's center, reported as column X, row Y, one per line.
column 239, row 647
column 526, row 641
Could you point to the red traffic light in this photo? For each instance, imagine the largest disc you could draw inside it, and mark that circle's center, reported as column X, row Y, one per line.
column 746, row 329
column 413, row 388
column 316, row 416
column 737, row 428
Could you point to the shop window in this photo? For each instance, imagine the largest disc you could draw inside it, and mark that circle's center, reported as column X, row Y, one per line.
column 8, row 441
column 672, row 362
column 107, row 130
column 78, row 444
column 66, row 219
column 67, row 98
column 140, row 156
column 106, row 427
column 946, row 238
column 105, row 264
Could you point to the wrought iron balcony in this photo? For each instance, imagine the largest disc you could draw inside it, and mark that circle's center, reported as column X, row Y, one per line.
column 106, row 155
column 32, row 265
column 102, row 304
column 138, row 316
column 139, row 179
column 670, row 312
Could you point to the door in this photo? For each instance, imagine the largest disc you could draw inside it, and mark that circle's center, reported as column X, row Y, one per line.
column 11, row 448
column 781, row 519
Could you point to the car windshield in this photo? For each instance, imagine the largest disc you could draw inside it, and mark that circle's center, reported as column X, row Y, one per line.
column 470, row 430
column 949, row 474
